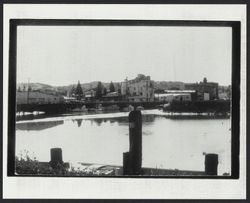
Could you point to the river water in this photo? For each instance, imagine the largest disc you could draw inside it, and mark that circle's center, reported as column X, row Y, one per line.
column 168, row 142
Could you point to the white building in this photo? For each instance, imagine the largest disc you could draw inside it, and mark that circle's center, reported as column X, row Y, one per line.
column 223, row 95
column 169, row 97
column 206, row 96
column 140, row 89
column 37, row 98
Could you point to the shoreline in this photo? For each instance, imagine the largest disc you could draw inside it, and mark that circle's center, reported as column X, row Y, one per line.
column 117, row 114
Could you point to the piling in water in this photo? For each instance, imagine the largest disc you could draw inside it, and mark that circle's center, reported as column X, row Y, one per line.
column 132, row 160
column 127, row 167
column 55, row 157
column 211, row 164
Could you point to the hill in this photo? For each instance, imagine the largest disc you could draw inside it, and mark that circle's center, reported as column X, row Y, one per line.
column 34, row 86
column 63, row 90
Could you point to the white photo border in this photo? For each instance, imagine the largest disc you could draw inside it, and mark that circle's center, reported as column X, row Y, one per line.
column 124, row 188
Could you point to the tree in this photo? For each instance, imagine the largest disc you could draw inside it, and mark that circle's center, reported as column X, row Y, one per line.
column 111, row 87
column 104, row 91
column 72, row 91
column 19, row 89
column 99, row 90
column 78, row 91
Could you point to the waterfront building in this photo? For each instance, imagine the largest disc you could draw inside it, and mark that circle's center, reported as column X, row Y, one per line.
column 35, row 97
column 223, row 95
column 210, row 88
column 169, row 97
column 112, row 96
column 140, row 89
column 193, row 94
column 225, row 92
column 206, row 96
column 169, row 85
column 90, row 95
column 69, row 99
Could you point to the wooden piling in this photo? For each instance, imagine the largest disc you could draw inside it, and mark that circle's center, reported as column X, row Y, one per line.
column 56, row 157
column 132, row 160
column 211, row 164
column 127, row 167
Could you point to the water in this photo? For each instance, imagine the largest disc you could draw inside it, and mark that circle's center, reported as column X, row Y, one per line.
column 102, row 138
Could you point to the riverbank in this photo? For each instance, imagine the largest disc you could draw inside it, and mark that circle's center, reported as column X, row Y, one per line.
column 33, row 167
column 116, row 114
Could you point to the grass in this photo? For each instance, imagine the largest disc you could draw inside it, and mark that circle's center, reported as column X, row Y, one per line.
column 25, row 165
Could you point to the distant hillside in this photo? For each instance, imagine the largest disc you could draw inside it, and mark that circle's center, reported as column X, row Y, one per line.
column 86, row 86
column 62, row 90
column 34, row 86
column 160, row 85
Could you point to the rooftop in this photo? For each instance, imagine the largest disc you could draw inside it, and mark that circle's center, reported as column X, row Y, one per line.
column 180, row 91
column 171, row 94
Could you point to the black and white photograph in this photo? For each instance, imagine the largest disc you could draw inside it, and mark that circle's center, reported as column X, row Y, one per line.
column 124, row 99
column 110, row 100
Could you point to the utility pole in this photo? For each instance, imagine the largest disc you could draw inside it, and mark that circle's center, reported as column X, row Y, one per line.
column 28, row 91
column 147, row 90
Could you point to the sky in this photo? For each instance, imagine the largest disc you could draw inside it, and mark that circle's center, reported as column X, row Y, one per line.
column 62, row 55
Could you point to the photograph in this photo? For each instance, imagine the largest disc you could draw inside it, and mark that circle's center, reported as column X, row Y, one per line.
column 122, row 98
column 124, row 102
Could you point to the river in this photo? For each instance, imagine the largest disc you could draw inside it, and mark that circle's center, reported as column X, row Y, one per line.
column 168, row 142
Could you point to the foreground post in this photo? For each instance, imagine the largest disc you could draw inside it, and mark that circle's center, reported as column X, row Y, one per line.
column 127, row 166
column 211, row 164
column 55, row 157
column 132, row 160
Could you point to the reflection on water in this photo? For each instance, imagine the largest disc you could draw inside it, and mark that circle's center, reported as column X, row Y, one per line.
column 78, row 121
column 167, row 143
column 146, row 119
column 38, row 125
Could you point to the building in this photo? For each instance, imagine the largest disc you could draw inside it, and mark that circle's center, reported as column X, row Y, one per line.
column 33, row 97
column 140, row 89
column 181, row 95
column 69, row 99
column 169, row 85
column 112, row 96
column 225, row 92
column 176, row 95
column 210, row 88
column 90, row 95
column 169, row 97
